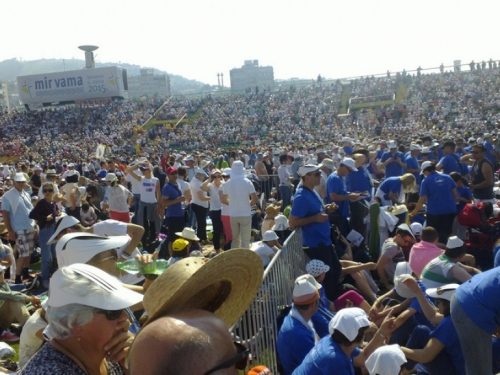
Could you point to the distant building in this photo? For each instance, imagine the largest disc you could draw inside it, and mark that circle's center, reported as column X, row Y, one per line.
column 251, row 75
column 149, row 84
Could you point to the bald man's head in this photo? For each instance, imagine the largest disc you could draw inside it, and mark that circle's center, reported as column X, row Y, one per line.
column 192, row 342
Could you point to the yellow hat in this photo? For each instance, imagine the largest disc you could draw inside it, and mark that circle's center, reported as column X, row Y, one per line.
column 179, row 244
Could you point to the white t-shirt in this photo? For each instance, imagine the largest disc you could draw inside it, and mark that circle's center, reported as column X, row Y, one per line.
column 238, row 190
column 195, row 189
column 183, row 186
column 215, row 203
column 110, row 228
column 30, row 343
column 148, row 189
column 117, row 198
column 136, row 185
column 264, row 251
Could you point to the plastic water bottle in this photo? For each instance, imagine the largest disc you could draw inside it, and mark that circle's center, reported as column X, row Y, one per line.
column 133, row 267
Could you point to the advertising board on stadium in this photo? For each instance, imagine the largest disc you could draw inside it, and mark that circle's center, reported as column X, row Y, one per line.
column 76, row 85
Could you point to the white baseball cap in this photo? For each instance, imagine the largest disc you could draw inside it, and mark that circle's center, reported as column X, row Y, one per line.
column 81, row 247
column 401, row 288
column 416, row 228
column 414, row 147
column 308, row 168
column 348, row 321
column 349, row 163
column 19, row 177
column 425, row 165
column 63, row 291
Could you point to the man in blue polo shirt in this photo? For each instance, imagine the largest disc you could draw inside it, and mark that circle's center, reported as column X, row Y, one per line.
column 412, row 165
column 173, row 199
column 309, row 213
column 440, row 192
column 393, row 161
column 336, row 192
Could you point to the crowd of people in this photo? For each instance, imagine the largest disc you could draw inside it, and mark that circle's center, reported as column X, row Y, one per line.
column 370, row 191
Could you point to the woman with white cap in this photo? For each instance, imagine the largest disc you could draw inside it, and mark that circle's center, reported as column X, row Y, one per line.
column 88, row 324
column 435, row 351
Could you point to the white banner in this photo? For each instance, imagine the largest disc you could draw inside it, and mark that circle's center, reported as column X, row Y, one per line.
column 71, row 85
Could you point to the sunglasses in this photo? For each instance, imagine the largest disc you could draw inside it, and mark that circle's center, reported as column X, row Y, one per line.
column 314, row 174
column 240, row 360
column 110, row 314
column 48, row 190
column 476, row 152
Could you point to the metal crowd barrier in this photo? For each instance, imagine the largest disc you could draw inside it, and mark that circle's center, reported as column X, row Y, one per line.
column 257, row 328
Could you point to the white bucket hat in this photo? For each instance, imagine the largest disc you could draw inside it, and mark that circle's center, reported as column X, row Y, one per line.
column 270, row 235
column 316, row 267
column 280, row 223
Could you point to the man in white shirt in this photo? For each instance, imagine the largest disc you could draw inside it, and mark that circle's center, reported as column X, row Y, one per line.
column 239, row 194
column 268, row 247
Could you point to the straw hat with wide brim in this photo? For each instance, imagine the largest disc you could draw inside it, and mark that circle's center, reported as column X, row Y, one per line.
column 225, row 286
column 188, row 234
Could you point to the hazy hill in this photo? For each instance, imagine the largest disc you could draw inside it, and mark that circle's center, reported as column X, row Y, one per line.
column 10, row 69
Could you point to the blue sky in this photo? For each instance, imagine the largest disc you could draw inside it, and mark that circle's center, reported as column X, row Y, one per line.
column 198, row 39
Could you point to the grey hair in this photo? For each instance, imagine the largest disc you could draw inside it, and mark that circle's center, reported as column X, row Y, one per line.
column 63, row 319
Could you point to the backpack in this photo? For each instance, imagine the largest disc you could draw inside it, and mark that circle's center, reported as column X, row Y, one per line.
column 469, row 216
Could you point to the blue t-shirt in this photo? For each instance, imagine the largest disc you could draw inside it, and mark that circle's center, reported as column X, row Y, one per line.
column 480, row 299
column 320, row 320
column 412, row 163
column 308, row 203
column 463, row 192
column 172, row 192
column 437, row 187
column 336, row 184
column 451, row 163
column 390, row 185
column 446, row 333
column 393, row 169
column 294, row 342
column 359, row 181
column 489, row 155
column 326, row 358
column 348, row 150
